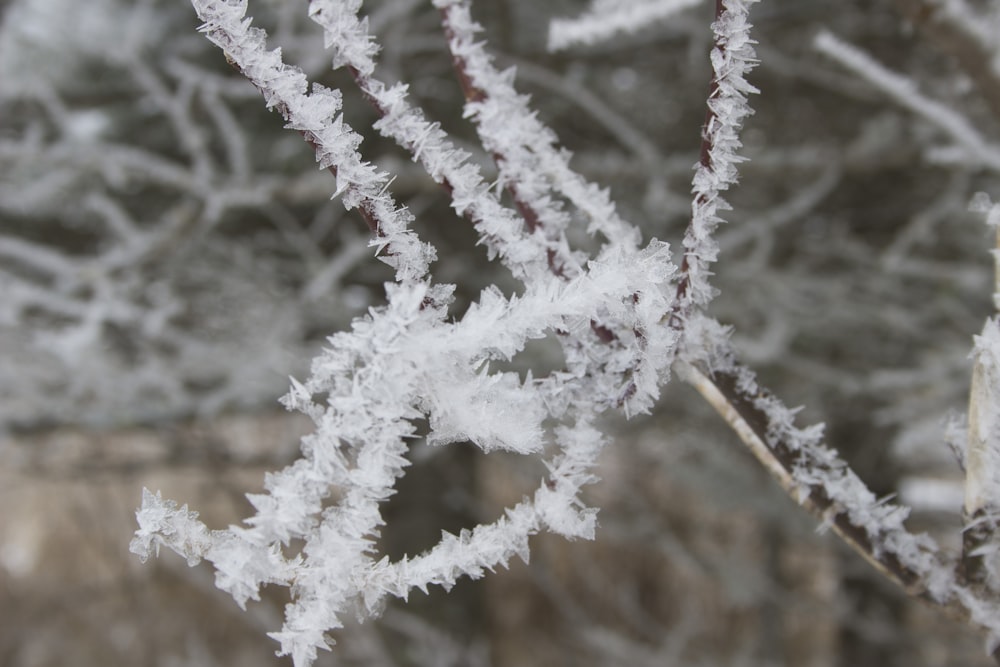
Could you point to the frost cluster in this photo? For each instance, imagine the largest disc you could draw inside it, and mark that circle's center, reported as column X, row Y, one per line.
column 410, row 361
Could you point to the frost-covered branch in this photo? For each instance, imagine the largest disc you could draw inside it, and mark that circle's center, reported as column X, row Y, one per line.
column 732, row 58
column 819, row 479
column 401, row 363
column 539, row 178
column 407, row 361
column 315, row 112
column 429, row 145
column 532, row 167
column 621, row 312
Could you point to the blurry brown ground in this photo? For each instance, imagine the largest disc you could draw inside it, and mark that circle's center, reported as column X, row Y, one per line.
column 684, row 571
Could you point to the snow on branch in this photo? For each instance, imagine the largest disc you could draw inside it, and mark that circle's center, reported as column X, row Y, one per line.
column 532, row 167
column 499, row 227
column 540, row 180
column 407, row 361
column 622, row 315
column 606, row 18
column 732, row 58
column 315, row 113
column 970, row 145
column 820, row 480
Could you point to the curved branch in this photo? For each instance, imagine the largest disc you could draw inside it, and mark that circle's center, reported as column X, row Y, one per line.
column 818, row 479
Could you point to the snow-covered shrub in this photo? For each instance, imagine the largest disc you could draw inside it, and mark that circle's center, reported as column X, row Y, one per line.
column 627, row 314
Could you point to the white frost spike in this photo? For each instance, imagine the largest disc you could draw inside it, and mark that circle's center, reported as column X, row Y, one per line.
column 569, row 472
column 405, row 361
column 499, row 227
column 162, row 523
column 409, row 360
column 532, row 166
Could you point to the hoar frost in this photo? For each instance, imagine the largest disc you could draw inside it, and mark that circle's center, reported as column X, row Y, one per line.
column 622, row 315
